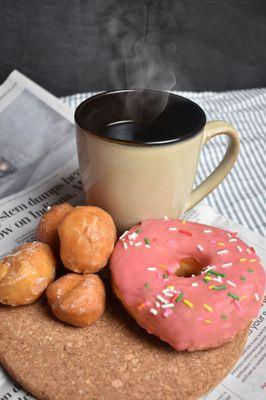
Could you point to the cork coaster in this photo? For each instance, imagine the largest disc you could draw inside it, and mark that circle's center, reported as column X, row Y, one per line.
column 113, row 359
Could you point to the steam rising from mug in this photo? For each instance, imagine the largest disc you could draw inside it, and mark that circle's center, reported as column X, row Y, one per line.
column 146, row 67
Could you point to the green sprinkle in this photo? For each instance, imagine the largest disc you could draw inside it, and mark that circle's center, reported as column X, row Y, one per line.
column 223, row 316
column 250, row 270
column 216, row 273
column 147, row 241
column 147, row 285
column 206, row 279
column 179, row 297
column 243, row 278
column 234, row 296
column 165, row 276
column 138, row 230
column 222, row 287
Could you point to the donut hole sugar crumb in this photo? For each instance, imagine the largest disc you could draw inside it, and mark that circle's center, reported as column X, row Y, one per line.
column 189, row 266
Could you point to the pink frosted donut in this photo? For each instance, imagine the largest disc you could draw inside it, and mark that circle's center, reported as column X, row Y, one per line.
column 218, row 295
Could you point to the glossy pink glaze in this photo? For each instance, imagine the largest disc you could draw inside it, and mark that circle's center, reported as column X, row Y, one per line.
column 204, row 317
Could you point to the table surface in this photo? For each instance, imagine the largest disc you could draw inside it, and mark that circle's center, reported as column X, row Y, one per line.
column 242, row 194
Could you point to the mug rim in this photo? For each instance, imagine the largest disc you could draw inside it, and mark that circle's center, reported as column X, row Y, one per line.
column 176, row 140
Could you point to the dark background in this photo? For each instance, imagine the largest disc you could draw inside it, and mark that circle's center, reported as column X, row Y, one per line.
column 71, row 46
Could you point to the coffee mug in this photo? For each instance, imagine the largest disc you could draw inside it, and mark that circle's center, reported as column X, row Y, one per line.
column 138, row 153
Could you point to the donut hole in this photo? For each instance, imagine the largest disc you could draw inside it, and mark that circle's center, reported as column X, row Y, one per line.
column 189, row 266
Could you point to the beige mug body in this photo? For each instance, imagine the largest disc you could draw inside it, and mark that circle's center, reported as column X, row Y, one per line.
column 134, row 181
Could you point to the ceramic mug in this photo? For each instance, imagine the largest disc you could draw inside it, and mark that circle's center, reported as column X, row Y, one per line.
column 138, row 153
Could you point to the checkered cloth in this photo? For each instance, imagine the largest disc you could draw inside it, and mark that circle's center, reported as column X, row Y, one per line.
column 242, row 195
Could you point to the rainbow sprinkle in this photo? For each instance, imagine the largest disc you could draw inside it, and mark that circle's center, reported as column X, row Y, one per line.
column 227, row 265
column 208, row 308
column 147, row 241
column 147, row 285
column 250, row 270
column 223, row 316
column 122, row 236
column 243, row 278
column 141, row 306
column 234, row 296
column 220, row 252
column 256, row 296
column 188, row 303
column 178, row 297
column 153, row 311
column 231, row 283
column 243, row 259
column 216, row 273
column 208, row 321
column 167, row 313
column 215, row 287
column 185, row 232
column 252, row 259
column 199, row 247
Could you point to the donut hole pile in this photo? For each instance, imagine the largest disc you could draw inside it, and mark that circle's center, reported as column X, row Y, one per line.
column 82, row 238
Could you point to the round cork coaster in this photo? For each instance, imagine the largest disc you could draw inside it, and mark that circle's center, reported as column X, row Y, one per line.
column 113, row 359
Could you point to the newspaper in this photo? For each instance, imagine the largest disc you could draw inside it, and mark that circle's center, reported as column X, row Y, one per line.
column 54, row 179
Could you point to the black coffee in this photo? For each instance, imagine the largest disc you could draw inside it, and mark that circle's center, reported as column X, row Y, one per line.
column 133, row 117
column 131, row 131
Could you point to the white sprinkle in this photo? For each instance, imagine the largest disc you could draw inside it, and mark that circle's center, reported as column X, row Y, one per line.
column 138, row 244
column 172, row 229
column 152, row 269
column 207, row 231
column 232, row 240
column 170, row 305
column 256, row 296
column 217, row 279
column 249, row 251
column 227, row 265
column 124, row 234
column 147, row 245
column 231, row 283
column 222, row 252
column 194, row 284
column 165, row 218
column 239, row 249
column 162, row 299
column 133, row 236
column 125, row 245
column 229, row 234
column 153, row 311
column 166, row 291
column 169, row 294
column 131, row 243
column 208, row 269
column 158, row 305
column 199, row 247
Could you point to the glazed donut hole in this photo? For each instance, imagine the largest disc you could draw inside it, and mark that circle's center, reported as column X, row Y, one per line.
column 87, row 237
column 77, row 299
column 26, row 273
column 47, row 230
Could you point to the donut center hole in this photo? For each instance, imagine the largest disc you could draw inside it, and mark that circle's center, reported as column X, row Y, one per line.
column 189, row 266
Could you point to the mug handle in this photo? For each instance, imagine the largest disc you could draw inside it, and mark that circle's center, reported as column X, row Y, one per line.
column 212, row 129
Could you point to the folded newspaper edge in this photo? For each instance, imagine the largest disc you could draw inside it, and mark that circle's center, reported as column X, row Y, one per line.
column 19, row 215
